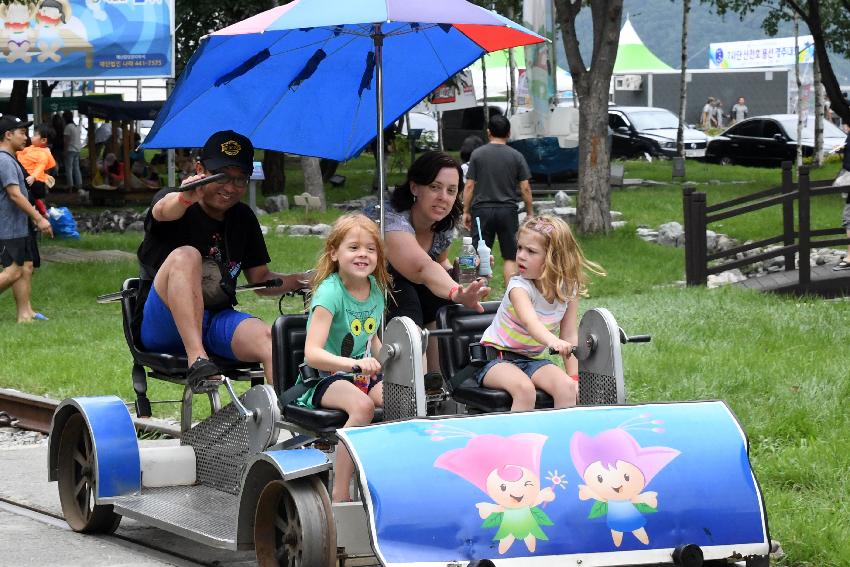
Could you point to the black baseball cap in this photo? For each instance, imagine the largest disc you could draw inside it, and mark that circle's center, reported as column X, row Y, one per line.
column 228, row 148
column 11, row 122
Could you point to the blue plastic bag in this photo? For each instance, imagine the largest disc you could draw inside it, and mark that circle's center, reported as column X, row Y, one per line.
column 63, row 223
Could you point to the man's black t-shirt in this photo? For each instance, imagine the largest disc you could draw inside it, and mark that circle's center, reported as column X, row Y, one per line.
column 236, row 242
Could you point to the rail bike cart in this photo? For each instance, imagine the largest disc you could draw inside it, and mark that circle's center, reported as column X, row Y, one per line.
column 515, row 489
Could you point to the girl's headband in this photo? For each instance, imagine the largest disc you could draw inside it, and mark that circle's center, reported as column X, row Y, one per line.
column 541, row 225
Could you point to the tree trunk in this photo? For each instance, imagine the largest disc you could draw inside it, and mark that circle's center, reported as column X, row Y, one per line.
column 18, row 99
column 817, row 155
column 313, row 178
column 274, row 170
column 594, row 171
column 837, row 101
column 683, row 81
column 592, row 85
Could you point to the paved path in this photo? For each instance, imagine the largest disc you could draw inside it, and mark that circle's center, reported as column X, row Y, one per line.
column 25, row 541
column 64, row 255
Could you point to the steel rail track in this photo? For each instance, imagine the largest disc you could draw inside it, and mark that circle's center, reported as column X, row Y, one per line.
column 35, row 413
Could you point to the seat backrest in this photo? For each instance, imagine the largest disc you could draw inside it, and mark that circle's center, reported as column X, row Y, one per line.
column 128, row 307
column 289, row 335
column 467, row 327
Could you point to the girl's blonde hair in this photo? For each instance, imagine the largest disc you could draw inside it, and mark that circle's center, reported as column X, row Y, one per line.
column 565, row 267
column 343, row 225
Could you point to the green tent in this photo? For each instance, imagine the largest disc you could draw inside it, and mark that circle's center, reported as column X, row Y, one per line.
column 633, row 56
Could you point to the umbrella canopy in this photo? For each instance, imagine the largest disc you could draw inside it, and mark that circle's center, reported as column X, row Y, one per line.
column 304, row 78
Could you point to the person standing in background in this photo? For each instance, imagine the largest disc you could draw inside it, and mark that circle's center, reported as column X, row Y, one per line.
column 16, row 254
column 497, row 179
column 36, row 159
column 707, row 113
column 740, row 110
column 71, row 136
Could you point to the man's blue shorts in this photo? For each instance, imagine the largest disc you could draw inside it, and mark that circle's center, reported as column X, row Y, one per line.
column 159, row 332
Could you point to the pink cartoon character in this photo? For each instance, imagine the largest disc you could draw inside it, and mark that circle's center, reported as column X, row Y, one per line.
column 507, row 469
column 616, row 469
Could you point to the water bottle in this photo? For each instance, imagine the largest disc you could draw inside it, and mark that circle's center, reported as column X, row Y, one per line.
column 484, row 268
column 466, row 263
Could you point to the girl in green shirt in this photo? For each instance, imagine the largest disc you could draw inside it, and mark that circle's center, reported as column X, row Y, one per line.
column 345, row 315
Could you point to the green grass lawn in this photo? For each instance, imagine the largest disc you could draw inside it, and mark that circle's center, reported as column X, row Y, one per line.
column 776, row 361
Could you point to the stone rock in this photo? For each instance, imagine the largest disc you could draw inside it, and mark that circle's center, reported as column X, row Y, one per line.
column 725, row 278
column 562, row 199
column 564, row 211
column 618, row 224
column 299, row 230
column 259, row 212
column 320, row 229
column 275, row 203
column 281, row 229
column 647, row 234
column 671, row 234
column 136, row 226
column 616, row 215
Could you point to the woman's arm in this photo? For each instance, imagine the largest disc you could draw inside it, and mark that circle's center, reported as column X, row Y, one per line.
column 412, row 262
column 317, row 336
column 569, row 333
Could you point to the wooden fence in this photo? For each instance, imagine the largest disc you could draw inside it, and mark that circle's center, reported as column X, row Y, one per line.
column 699, row 264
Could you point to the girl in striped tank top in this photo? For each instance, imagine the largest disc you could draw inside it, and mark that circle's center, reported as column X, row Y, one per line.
column 538, row 312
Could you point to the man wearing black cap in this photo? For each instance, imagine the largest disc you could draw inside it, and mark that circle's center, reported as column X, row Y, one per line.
column 16, row 250
column 196, row 243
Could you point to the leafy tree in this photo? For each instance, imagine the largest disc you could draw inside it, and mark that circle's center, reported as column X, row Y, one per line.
column 827, row 22
column 591, row 84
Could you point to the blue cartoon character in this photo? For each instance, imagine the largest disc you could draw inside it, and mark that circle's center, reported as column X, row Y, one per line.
column 507, row 469
column 616, row 469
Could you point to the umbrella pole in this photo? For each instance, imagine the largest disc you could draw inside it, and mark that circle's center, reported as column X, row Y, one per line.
column 378, row 39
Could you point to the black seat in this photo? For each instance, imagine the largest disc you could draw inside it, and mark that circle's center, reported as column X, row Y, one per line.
column 289, row 335
column 467, row 327
column 169, row 367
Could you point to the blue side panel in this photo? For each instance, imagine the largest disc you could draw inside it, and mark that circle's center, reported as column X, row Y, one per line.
column 623, row 485
column 294, row 461
column 116, row 448
column 546, row 157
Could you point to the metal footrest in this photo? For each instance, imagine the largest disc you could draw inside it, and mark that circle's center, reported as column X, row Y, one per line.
column 199, row 512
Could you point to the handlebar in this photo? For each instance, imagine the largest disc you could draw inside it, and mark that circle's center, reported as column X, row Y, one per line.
column 128, row 293
column 573, row 350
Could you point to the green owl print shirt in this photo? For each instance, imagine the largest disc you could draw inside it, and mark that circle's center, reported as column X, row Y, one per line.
column 354, row 322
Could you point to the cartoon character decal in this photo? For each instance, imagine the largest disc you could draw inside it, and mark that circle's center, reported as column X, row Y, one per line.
column 17, row 17
column 51, row 14
column 616, row 469
column 507, row 469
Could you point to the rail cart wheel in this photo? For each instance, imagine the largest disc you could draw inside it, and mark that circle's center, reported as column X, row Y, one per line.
column 77, row 482
column 294, row 525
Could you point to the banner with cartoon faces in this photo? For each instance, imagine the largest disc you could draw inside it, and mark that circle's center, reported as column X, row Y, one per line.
column 610, row 485
column 85, row 39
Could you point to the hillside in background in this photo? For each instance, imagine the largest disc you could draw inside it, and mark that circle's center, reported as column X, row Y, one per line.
column 659, row 25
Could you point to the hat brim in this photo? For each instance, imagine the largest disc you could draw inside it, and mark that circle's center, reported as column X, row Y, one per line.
column 16, row 127
column 221, row 162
